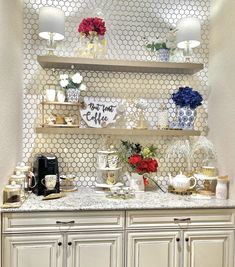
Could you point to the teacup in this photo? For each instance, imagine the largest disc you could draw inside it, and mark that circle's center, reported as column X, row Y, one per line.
column 49, row 181
column 69, row 120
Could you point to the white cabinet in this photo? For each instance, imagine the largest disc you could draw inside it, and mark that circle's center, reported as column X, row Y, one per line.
column 153, row 249
column 63, row 239
column 182, row 238
column 150, row 238
column 95, row 249
column 209, row 248
column 33, row 250
column 204, row 248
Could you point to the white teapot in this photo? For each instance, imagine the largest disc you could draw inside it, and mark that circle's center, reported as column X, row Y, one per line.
column 181, row 183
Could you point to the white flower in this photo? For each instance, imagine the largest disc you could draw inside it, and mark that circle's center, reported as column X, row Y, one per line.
column 77, row 78
column 64, row 83
column 64, row 76
column 82, row 87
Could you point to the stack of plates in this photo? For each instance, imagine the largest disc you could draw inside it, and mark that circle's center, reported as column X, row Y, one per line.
column 201, row 176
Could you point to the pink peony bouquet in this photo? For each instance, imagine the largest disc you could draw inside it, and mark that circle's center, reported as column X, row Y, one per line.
column 92, row 27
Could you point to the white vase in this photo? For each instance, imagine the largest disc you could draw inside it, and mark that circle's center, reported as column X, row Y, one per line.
column 137, row 182
column 163, row 54
column 186, row 118
column 72, row 94
column 60, row 96
column 221, row 189
column 50, row 94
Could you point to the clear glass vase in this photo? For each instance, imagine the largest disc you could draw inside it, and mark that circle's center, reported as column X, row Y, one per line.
column 92, row 47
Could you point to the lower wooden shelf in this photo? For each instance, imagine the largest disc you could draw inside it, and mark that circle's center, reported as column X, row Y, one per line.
column 112, row 131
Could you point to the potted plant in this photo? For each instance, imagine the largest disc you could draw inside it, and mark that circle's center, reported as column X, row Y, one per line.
column 163, row 47
column 73, row 86
column 187, row 100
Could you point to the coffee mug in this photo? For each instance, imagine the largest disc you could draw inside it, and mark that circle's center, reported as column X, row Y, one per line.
column 69, row 120
column 102, row 161
column 113, row 160
column 49, row 181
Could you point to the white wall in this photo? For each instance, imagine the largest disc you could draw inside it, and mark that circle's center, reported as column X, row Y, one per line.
column 222, row 82
column 10, row 87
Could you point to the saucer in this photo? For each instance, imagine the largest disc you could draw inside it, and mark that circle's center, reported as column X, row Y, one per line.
column 108, row 185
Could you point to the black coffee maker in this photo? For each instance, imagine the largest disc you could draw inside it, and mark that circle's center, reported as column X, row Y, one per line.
column 44, row 165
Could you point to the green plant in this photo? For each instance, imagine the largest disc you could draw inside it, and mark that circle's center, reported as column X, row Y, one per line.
column 155, row 46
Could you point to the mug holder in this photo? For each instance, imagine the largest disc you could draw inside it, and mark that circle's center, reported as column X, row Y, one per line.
column 50, row 191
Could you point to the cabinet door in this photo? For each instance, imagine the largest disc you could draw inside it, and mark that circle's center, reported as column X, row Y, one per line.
column 209, row 248
column 32, row 251
column 95, row 249
column 151, row 249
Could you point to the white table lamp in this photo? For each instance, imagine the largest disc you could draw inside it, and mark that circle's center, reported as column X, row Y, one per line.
column 51, row 26
column 188, row 35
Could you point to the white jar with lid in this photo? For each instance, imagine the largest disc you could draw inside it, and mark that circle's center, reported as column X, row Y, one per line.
column 21, row 168
column 12, row 195
column 221, row 191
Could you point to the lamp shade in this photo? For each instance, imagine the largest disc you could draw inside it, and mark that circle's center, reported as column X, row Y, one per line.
column 188, row 33
column 51, row 20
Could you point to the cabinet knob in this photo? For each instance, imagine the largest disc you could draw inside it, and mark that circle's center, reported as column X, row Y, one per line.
column 186, row 239
column 177, row 239
column 70, row 243
column 59, row 244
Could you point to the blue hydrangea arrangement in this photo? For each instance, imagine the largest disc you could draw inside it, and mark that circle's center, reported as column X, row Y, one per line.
column 187, row 97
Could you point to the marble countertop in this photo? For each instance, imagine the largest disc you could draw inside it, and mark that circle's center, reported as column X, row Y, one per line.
column 88, row 199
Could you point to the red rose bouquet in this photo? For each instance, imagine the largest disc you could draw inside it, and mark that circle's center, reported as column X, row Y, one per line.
column 139, row 159
column 91, row 27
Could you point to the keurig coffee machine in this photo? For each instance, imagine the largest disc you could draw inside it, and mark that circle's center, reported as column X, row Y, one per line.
column 45, row 169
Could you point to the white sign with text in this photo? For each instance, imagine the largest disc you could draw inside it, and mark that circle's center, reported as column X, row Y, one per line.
column 98, row 114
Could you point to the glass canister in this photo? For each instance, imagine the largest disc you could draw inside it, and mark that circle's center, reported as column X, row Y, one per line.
column 68, row 183
column 162, row 118
column 22, row 169
column 12, row 195
column 19, row 180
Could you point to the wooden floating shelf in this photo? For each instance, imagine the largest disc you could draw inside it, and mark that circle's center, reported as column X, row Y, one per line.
column 111, row 131
column 118, row 65
column 60, row 126
column 62, row 103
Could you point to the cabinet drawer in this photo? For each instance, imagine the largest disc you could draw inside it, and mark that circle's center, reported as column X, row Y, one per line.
column 182, row 218
column 62, row 221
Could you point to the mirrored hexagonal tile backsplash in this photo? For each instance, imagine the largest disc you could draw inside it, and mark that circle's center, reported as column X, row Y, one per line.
column 129, row 25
